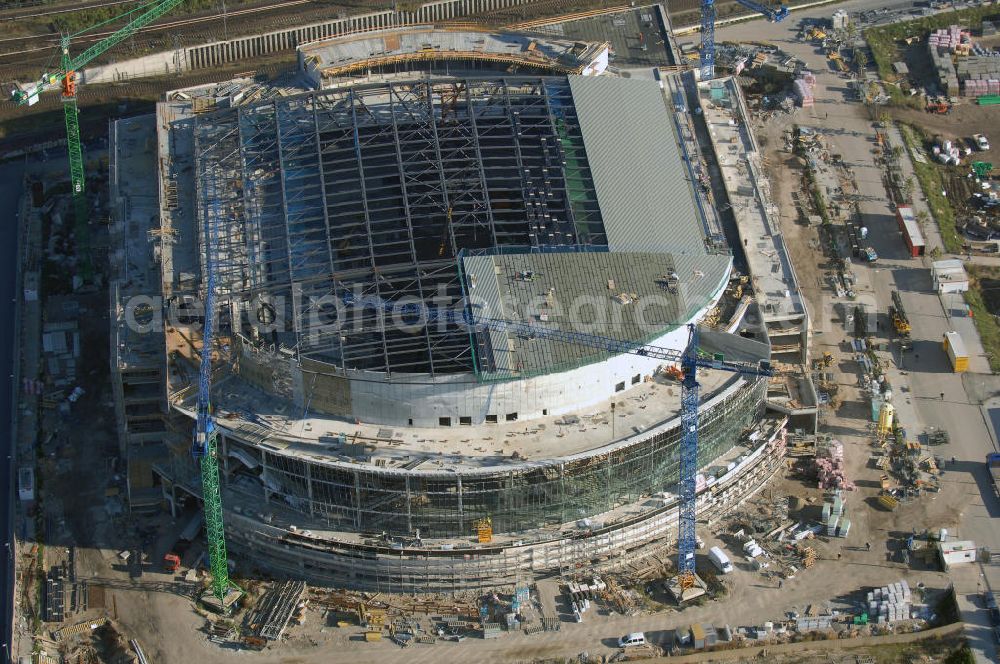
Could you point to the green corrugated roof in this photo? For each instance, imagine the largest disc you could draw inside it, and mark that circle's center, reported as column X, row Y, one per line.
column 585, row 289
column 643, row 187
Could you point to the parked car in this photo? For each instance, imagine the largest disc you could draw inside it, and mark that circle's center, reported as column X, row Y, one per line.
column 633, row 639
column 981, row 142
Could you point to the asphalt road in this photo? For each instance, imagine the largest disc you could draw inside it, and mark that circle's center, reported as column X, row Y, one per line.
column 927, row 371
column 10, row 194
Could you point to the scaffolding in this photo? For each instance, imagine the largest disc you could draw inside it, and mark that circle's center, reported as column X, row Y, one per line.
column 366, row 499
column 375, row 190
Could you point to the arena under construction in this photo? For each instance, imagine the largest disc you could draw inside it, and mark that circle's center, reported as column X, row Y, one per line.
column 366, row 440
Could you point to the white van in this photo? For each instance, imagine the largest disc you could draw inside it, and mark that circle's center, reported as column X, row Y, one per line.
column 633, row 639
column 720, row 560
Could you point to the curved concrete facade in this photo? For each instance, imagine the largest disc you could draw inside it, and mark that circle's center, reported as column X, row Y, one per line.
column 275, row 537
column 423, row 400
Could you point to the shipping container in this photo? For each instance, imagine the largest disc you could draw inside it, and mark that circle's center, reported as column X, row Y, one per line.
column 910, row 229
column 957, row 355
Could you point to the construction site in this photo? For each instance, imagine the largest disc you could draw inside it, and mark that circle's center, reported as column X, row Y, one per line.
column 455, row 337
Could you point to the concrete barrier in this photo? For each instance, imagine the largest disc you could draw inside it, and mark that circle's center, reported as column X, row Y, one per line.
column 243, row 49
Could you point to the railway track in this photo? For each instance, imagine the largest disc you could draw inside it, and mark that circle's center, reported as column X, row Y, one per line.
column 158, row 27
column 15, row 15
column 23, row 57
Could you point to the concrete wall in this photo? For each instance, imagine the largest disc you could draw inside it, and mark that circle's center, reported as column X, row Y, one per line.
column 410, row 400
column 833, row 646
column 244, row 49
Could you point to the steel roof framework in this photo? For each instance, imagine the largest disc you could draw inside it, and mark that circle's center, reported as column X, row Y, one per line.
column 377, row 188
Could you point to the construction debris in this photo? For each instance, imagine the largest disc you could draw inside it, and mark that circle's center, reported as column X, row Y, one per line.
column 275, row 609
column 829, row 466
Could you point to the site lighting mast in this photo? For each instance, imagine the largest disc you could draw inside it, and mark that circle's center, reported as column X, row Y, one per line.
column 707, row 64
column 65, row 77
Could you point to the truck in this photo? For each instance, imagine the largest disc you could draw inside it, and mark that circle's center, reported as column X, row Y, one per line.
column 955, row 348
column 993, row 465
column 720, row 560
column 981, row 142
column 900, row 321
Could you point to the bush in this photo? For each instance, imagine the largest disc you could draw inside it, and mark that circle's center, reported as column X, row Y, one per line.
column 961, row 656
column 929, row 177
column 882, row 40
column 985, row 321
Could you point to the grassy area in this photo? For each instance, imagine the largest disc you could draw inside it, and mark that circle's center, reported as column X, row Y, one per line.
column 929, row 176
column 899, row 98
column 961, row 656
column 986, row 322
column 884, row 40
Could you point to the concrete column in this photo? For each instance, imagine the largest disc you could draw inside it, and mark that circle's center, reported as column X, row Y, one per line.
column 309, row 488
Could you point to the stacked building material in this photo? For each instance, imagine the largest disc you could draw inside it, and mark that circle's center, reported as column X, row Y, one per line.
column 803, row 88
column 837, row 525
column 952, row 39
column 890, row 603
column 829, row 466
column 943, row 65
column 980, row 75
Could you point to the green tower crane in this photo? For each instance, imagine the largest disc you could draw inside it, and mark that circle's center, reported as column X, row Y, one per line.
column 65, row 77
column 206, row 436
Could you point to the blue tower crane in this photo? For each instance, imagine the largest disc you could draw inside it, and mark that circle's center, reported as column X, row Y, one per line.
column 707, row 64
column 689, row 359
column 204, row 446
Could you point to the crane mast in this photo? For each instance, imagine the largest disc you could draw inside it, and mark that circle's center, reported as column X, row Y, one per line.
column 204, row 447
column 66, row 78
column 689, row 360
